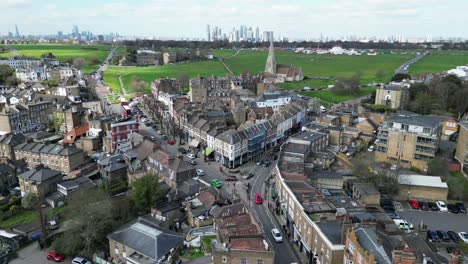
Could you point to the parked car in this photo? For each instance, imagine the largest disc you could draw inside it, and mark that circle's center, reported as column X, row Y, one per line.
column 266, row 163
column 192, row 161
column 259, row 162
column 413, row 204
column 464, row 237
column 79, row 260
column 191, row 156
column 200, row 172
column 230, row 178
column 52, row 225
column 442, row 206
column 423, row 206
column 443, row 235
column 432, row 236
column 454, row 236
column 248, row 176
column 182, row 150
column 452, row 208
column 258, row 198
column 461, row 208
column 153, row 139
column 277, row 235
column 54, row 256
column 216, row 183
column 371, row 148
column 452, row 250
column 433, row 206
column 403, row 224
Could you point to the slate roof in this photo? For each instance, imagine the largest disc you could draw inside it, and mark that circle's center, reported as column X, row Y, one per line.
column 367, row 238
column 332, row 230
column 189, row 187
column 12, row 139
column 39, row 175
column 51, row 149
column 231, row 137
column 147, row 239
column 409, row 118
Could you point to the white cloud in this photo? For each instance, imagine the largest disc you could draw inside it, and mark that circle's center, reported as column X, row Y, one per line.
column 15, row 3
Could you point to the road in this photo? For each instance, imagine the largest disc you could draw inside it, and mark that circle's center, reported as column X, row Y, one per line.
column 405, row 66
column 284, row 253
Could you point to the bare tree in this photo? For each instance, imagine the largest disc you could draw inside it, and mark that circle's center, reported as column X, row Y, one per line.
column 137, row 85
column 78, row 63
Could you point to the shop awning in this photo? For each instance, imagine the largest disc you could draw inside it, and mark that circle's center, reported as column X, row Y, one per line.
column 194, row 143
column 207, row 151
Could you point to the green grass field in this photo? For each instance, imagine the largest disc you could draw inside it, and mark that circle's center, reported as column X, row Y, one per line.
column 221, row 53
column 64, row 51
column 149, row 74
column 327, row 96
column 323, row 65
column 439, row 61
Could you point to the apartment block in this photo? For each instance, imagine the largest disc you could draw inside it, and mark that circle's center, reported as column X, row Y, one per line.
column 409, row 139
column 461, row 153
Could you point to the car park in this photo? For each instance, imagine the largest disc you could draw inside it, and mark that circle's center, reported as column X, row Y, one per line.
column 441, row 206
column 461, row 208
column 443, row 235
column 432, row 236
column 216, row 183
column 454, row 236
column 230, row 178
column 464, row 237
column 413, row 204
column 54, row 256
column 258, row 198
column 200, row 172
column 277, row 235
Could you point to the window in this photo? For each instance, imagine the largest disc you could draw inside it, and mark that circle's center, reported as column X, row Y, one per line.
column 426, row 130
column 260, row 261
column 243, row 261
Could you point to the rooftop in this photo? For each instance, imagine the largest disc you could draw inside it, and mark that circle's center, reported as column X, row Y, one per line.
column 333, row 231
column 422, row 180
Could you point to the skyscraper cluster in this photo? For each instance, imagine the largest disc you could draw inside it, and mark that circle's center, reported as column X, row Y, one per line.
column 243, row 33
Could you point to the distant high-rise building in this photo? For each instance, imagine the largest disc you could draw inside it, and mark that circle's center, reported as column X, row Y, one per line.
column 267, row 36
column 208, row 33
column 257, row 34
column 60, row 35
column 17, row 34
column 237, row 36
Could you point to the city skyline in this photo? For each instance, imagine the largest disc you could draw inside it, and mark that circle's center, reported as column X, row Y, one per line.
column 298, row 20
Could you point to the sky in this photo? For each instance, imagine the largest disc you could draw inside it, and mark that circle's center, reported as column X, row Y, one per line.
column 188, row 18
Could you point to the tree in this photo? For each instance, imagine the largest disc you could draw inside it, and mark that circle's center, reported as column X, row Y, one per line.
column 92, row 218
column 145, row 192
column 362, row 165
column 137, row 85
column 183, row 80
column 5, row 72
column 29, row 200
column 416, row 89
column 438, row 167
column 380, row 75
column 400, row 77
column 78, row 63
column 423, row 104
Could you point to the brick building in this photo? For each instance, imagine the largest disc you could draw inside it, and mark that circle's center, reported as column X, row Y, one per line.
column 409, row 139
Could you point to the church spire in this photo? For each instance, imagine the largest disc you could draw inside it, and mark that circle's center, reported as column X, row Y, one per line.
column 270, row 66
